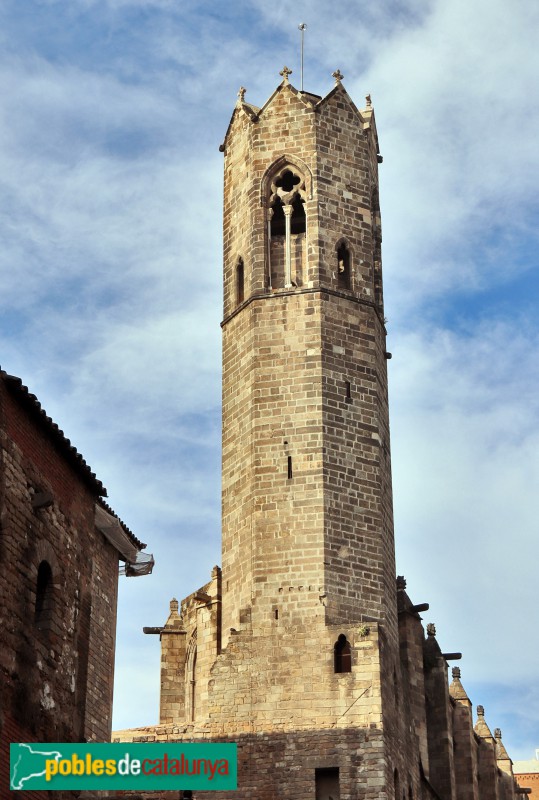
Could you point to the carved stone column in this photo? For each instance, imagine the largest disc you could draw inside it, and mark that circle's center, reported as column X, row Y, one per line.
column 288, row 247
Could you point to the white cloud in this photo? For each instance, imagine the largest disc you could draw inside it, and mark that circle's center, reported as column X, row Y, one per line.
column 110, row 279
column 465, row 427
column 457, row 131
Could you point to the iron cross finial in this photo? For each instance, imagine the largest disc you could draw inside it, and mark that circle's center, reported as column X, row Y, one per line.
column 337, row 75
column 285, row 72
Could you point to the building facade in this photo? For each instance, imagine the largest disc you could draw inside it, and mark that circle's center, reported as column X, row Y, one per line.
column 301, row 648
column 527, row 774
column 59, row 550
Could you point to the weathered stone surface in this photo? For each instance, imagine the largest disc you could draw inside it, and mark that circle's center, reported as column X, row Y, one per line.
column 308, row 548
column 57, row 631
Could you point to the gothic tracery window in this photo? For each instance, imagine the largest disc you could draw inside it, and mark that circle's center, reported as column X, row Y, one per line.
column 287, row 225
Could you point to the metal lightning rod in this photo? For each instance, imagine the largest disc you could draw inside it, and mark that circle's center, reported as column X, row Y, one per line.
column 302, row 29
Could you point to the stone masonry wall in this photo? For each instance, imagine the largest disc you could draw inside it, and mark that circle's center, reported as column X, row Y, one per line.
column 308, row 550
column 56, row 668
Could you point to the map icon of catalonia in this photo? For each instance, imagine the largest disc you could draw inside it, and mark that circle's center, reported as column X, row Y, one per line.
column 27, row 763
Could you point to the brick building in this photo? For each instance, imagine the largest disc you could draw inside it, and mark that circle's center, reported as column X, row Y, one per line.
column 302, row 648
column 527, row 774
column 59, row 550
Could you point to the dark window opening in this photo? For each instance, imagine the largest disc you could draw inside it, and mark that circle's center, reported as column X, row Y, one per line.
column 343, row 267
column 44, row 596
column 278, row 225
column 343, row 654
column 289, row 468
column 298, row 220
column 396, row 784
column 348, row 387
column 327, row 783
column 192, row 686
column 287, row 181
column 240, row 282
column 276, row 613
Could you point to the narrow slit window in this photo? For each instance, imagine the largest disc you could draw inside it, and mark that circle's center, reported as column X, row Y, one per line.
column 348, row 389
column 342, row 655
column 193, row 687
column 44, row 596
column 191, row 679
column 343, row 266
column 240, row 282
column 290, row 474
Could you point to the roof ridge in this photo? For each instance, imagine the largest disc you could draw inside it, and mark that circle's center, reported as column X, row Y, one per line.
column 15, row 384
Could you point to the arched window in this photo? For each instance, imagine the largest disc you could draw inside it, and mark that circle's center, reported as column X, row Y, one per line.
column 240, row 282
column 190, row 679
column 287, row 225
column 342, row 654
column 44, row 596
column 343, row 266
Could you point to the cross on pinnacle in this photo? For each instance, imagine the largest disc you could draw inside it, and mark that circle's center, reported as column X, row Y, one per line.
column 337, row 75
column 285, row 72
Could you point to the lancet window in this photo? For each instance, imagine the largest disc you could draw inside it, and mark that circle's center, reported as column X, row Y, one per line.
column 190, row 679
column 343, row 654
column 287, row 226
column 240, row 282
column 343, row 266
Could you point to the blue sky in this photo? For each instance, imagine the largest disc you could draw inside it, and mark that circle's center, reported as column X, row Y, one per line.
column 110, row 286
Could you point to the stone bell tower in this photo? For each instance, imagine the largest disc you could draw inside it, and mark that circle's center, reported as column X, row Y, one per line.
column 308, row 569
column 307, row 511
column 293, row 650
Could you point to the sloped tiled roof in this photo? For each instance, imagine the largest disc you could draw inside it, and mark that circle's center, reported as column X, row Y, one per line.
column 129, row 533
column 31, row 404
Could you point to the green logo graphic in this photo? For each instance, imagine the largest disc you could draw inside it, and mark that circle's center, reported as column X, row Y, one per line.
column 145, row 766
